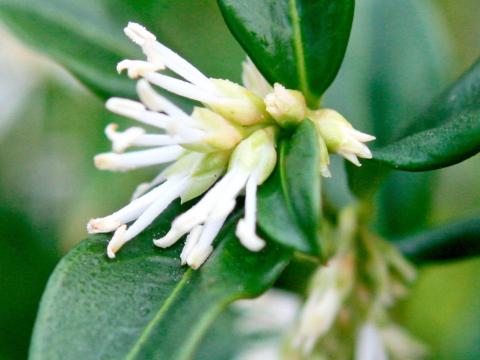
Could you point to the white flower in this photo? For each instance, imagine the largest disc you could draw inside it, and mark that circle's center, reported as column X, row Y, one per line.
column 251, row 163
column 330, row 286
column 340, row 137
column 231, row 134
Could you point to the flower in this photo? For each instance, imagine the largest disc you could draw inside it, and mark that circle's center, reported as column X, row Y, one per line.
column 340, row 137
column 225, row 147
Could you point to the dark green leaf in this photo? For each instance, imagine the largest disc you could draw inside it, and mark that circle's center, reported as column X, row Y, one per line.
column 448, row 132
column 454, row 241
column 144, row 305
column 289, row 202
column 25, row 263
column 299, row 43
column 86, row 37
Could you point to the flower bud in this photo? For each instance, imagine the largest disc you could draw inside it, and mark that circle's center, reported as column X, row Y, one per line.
column 340, row 137
column 220, row 134
column 256, row 154
column 204, row 170
column 287, row 107
column 238, row 104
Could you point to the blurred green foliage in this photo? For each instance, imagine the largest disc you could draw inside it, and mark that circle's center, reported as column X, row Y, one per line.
column 49, row 187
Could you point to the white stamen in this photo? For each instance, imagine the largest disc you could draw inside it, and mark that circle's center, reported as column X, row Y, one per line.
column 190, row 243
column 138, row 34
column 137, row 68
column 202, row 250
column 116, row 242
column 126, row 214
column 146, row 186
column 137, row 111
column 246, row 227
column 181, row 88
column 169, row 191
column 156, row 102
column 102, row 225
column 122, row 140
column 138, row 159
column 197, row 214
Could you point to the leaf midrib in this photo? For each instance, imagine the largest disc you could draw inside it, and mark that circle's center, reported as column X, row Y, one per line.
column 137, row 346
column 299, row 51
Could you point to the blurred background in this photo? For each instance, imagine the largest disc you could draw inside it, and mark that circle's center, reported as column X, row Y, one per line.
column 51, row 126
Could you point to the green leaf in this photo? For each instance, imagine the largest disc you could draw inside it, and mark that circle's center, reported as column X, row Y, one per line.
column 454, row 241
column 86, row 37
column 289, row 204
column 448, row 133
column 299, row 43
column 144, row 305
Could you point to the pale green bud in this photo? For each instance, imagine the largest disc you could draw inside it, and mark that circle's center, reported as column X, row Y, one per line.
column 339, row 135
column 256, row 154
column 238, row 104
column 287, row 107
column 204, row 169
column 220, row 134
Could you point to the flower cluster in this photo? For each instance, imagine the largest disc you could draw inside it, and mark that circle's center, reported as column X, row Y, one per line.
column 223, row 148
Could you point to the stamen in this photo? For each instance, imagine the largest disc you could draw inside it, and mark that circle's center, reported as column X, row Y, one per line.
column 138, row 159
column 102, row 225
column 179, row 65
column 122, row 140
column 245, row 230
column 137, row 68
column 190, row 243
column 136, row 111
column 168, row 192
column 156, row 102
column 138, row 34
column 181, row 88
column 116, row 242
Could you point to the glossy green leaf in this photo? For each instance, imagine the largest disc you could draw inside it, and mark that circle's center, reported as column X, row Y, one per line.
column 454, row 241
column 144, row 305
column 86, row 37
column 289, row 202
column 448, row 133
column 299, row 43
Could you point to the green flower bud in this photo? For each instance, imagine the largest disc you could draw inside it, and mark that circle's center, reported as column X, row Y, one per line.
column 238, row 104
column 256, row 154
column 287, row 107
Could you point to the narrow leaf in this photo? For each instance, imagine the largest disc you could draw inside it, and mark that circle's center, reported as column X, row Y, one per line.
column 448, row 133
column 289, row 202
column 144, row 305
column 454, row 241
column 299, row 43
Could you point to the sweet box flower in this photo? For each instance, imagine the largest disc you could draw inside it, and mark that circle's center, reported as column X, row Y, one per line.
column 223, row 149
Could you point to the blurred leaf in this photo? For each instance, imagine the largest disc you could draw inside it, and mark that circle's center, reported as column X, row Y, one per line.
column 454, row 241
column 289, row 202
column 86, row 37
column 156, row 308
column 25, row 264
column 298, row 43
